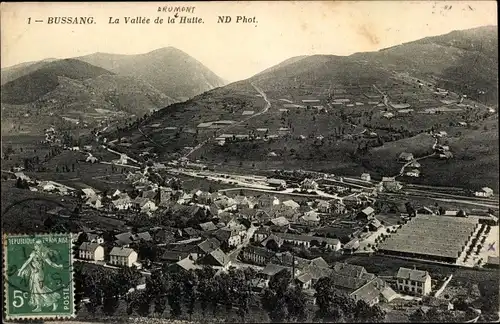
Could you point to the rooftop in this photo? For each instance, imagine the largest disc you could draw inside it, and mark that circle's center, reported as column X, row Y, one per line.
column 412, row 274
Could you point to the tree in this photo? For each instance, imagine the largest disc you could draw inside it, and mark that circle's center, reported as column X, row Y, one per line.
column 141, row 302
column 174, row 296
column 334, row 306
column 410, row 209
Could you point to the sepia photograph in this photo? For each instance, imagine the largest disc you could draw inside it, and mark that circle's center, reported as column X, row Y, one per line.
column 250, row 161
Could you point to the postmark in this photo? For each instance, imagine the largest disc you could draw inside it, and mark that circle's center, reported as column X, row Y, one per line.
column 38, row 276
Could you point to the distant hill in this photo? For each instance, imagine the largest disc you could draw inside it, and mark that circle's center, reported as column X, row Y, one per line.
column 464, row 61
column 13, row 72
column 304, row 127
column 169, row 70
column 32, row 86
column 282, row 64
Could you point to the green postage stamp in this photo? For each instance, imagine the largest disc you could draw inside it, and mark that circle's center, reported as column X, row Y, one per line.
column 38, row 276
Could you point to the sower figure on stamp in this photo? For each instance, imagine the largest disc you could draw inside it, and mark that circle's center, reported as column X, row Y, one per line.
column 33, row 270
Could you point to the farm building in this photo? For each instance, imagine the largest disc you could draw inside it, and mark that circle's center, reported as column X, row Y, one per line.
column 405, row 156
column 484, row 192
column 278, row 183
column 365, row 177
column 445, row 238
column 413, row 173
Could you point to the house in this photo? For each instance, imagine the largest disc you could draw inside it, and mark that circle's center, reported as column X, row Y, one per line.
column 308, row 241
column 390, row 184
column 91, row 251
column 304, row 280
column 366, row 213
column 91, row 159
column 94, row 238
column 360, row 284
column 446, row 155
column 89, row 192
column 337, row 207
column 413, row 281
column 441, row 134
column 243, row 202
column 267, row 201
column 232, row 238
column 174, row 256
column 388, row 115
column 94, row 202
column 280, row 221
column 271, row 270
column 143, row 236
column 310, row 218
column 22, row 176
column 291, row 204
column 351, row 246
column 309, row 184
column 145, row 205
column 374, row 225
column 121, row 256
column 261, row 233
column 279, row 241
column 217, row 259
column 208, row 226
column 224, row 202
column 414, row 164
column 413, row 173
column 484, row 192
column 122, row 203
column 191, row 232
column 124, row 239
column 186, row 264
column 323, row 206
column 365, row 177
column 405, row 157
column 207, row 247
column 46, row 186
column 256, row 254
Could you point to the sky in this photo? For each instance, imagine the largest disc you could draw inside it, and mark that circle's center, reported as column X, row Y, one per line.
column 234, row 51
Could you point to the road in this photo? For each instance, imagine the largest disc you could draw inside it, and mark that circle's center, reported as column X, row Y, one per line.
column 120, row 154
column 222, row 130
column 386, row 98
column 401, row 172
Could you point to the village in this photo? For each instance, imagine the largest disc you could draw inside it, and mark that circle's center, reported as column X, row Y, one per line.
column 307, row 225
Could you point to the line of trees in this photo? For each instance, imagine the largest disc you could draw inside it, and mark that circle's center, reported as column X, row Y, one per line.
column 202, row 290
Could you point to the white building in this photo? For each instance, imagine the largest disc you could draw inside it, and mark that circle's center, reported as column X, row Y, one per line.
column 365, row 177
column 120, row 256
column 413, row 173
column 484, row 192
column 416, row 282
column 91, row 251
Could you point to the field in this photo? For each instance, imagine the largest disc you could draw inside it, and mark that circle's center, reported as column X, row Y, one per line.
column 29, row 208
column 384, row 160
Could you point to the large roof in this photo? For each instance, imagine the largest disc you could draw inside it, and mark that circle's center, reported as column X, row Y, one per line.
column 431, row 235
column 412, row 274
column 90, row 247
column 116, row 251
